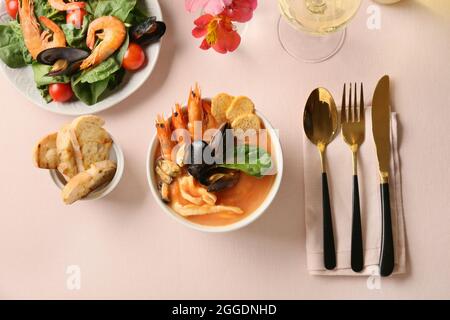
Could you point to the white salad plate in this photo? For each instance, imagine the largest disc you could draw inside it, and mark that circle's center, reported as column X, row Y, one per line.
column 23, row 80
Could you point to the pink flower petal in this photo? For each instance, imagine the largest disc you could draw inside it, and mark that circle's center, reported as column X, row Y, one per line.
column 214, row 7
column 194, row 5
column 198, row 32
column 203, row 20
column 231, row 41
column 208, row 6
column 228, row 40
column 241, row 10
column 205, row 45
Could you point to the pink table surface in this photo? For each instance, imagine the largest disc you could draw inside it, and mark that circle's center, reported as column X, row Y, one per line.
column 126, row 247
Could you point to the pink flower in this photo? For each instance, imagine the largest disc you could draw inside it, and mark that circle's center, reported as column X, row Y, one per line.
column 216, row 25
column 218, row 32
column 208, row 6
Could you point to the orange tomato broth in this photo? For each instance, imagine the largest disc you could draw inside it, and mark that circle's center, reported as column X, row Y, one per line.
column 248, row 194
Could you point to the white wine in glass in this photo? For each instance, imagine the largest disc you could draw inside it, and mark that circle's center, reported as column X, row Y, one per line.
column 314, row 30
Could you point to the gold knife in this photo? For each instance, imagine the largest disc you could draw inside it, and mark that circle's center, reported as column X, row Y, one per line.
column 381, row 127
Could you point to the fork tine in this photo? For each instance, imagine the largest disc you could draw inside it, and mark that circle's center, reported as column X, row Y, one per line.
column 343, row 112
column 355, row 104
column 361, row 104
column 350, row 99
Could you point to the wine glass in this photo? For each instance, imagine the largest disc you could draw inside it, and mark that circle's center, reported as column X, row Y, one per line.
column 314, row 30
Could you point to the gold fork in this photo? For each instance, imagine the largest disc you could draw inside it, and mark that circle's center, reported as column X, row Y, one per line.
column 353, row 132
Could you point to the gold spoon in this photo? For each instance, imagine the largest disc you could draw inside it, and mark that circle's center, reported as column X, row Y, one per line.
column 320, row 122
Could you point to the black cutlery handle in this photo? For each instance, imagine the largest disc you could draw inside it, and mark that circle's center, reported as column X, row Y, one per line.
column 357, row 254
column 387, row 240
column 329, row 252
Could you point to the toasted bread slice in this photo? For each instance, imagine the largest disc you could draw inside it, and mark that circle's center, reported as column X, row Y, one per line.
column 45, row 155
column 67, row 165
column 76, row 150
column 219, row 106
column 247, row 122
column 94, row 142
column 239, row 107
column 87, row 181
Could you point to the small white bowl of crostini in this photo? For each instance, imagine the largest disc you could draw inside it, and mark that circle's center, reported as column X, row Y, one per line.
column 277, row 158
column 115, row 155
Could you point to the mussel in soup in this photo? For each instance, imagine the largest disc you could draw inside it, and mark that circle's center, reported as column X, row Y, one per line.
column 213, row 177
column 219, row 142
column 164, row 191
column 167, row 170
column 220, row 179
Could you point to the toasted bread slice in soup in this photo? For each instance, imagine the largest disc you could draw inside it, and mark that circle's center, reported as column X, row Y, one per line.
column 87, row 181
column 45, row 155
column 67, row 164
column 247, row 122
column 239, row 107
column 92, row 141
column 219, row 106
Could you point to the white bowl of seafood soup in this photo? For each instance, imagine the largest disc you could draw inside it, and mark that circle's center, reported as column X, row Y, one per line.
column 277, row 158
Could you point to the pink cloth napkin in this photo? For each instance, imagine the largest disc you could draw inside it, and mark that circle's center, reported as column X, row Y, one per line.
column 339, row 164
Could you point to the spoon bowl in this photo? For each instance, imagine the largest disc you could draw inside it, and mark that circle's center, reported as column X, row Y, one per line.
column 320, row 119
column 320, row 122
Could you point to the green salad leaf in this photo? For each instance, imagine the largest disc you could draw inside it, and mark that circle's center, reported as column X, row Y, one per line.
column 249, row 159
column 91, row 93
column 137, row 15
column 100, row 72
column 40, row 72
column 43, row 8
column 118, row 8
column 76, row 38
column 12, row 47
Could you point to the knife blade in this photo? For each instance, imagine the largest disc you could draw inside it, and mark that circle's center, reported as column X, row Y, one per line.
column 381, row 127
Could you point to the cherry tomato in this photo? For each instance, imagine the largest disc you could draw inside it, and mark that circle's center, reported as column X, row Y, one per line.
column 134, row 57
column 12, row 6
column 60, row 92
column 75, row 17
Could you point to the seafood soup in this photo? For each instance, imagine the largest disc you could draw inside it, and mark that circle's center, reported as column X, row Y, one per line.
column 222, row 176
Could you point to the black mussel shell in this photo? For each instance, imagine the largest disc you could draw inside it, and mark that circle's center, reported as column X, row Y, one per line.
column 50, row 56
column 71, row 56
column 198, row 171
column 148, row 31
column 193, row 158
column 219, row 140
column 203, row 174
column 139, row 30
column 202, row 159
column 222, row 179
column 213, row 177
column 68, row 69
